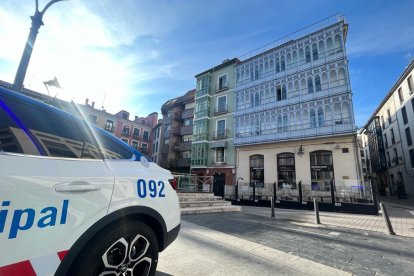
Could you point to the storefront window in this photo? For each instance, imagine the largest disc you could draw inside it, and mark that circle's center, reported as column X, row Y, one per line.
column 322, row 171
column 257, row 170
column 286, row 171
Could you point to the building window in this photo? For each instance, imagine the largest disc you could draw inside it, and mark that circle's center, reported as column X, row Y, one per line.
column 257, row 170
column 317, row 83
column 386, row 140
column 310, row 85
column 400, row 95
column 408, row 136
column 219, row 155
column 135, row 144
column 307, row 54
column 93, row 119
column 188, row 122
column 411, row 151
column 321, row 121
column 222, row 82
column 312, row 118
column 410, row 84
column 109, row 125
column 281, row 92
column 286, row 178
column 392, row 137
column 135, row 132
column 125, row 130
column 322, row 171
column 383, row 122
column 389, row 116
column 222, row 104
column 404, row 115
column 315, row 52
column 277, row 65
column 144, row 147
column 282, row 63
column 166, row 142
column 145, row 137
column 396, row 156
column 125, row 140
column 389, row 159
column 221, row 129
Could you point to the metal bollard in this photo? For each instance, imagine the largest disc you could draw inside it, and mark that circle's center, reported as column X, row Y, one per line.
column 386, row 219
column 272, row 204
column 316, row 206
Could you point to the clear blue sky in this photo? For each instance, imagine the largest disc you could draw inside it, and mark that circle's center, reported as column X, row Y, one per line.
column 135, row 55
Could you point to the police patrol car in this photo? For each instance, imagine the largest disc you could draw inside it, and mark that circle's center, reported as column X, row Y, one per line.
column 75, row 200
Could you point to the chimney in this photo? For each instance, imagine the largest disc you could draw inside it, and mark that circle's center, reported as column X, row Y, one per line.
column 93, row 104
column 86, row 101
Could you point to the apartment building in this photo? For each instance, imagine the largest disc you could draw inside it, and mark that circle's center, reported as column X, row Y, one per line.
column 177, row 133
column 213, row 151
column 156, row 138
column 294, row 118
column 389, row 132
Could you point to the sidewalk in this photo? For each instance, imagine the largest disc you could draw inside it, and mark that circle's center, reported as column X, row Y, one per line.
column 401, row 216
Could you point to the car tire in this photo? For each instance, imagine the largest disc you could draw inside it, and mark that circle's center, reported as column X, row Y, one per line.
column 127, row 248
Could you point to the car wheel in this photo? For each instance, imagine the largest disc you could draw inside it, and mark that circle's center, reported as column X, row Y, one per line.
column 129, row 248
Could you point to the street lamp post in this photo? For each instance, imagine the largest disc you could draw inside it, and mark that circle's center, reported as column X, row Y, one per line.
column 27, row 52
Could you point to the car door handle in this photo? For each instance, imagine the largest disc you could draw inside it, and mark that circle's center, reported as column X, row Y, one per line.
column 76, row 186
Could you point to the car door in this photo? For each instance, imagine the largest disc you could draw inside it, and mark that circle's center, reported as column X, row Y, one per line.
column 54, row 183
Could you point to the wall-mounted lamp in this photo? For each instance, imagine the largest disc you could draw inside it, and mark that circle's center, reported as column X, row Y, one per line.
column 301, row 150
column 337, row 147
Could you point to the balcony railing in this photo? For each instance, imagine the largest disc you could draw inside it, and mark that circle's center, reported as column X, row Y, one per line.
column 125, row 133
column 218, row 160
column 185, row 146
column 200, row 137
column 187, row 113
column 220, row 134
column 221, row 109
column 222, row 87
column 109, row 128
column 184, row 162
column 185, row 130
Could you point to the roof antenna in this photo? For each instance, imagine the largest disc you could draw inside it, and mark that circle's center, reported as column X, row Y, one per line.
column 103, row 102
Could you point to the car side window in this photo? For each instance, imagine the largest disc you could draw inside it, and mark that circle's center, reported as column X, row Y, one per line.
column 35, row 128
column 14, row 136
column 111, row 146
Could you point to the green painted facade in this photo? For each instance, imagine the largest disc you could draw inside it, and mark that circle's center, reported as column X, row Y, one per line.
column 213, row 130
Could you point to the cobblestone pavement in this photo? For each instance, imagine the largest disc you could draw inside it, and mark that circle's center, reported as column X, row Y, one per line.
column 360, row 252
column 202, row 251
column 401, row 217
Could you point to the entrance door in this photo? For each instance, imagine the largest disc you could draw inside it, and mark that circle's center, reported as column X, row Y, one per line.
column 218, row 184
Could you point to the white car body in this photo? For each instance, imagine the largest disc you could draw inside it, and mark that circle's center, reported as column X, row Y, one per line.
column 51, row 206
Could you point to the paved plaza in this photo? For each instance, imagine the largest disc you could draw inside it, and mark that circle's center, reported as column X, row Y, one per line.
column 250, row 242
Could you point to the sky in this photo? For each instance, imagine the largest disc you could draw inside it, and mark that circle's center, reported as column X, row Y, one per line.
column 137, row 54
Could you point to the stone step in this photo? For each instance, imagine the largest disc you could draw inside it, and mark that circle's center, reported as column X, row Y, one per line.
column 185, row 195
column 190, row 204
column 184, row 199
column 210, row 209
